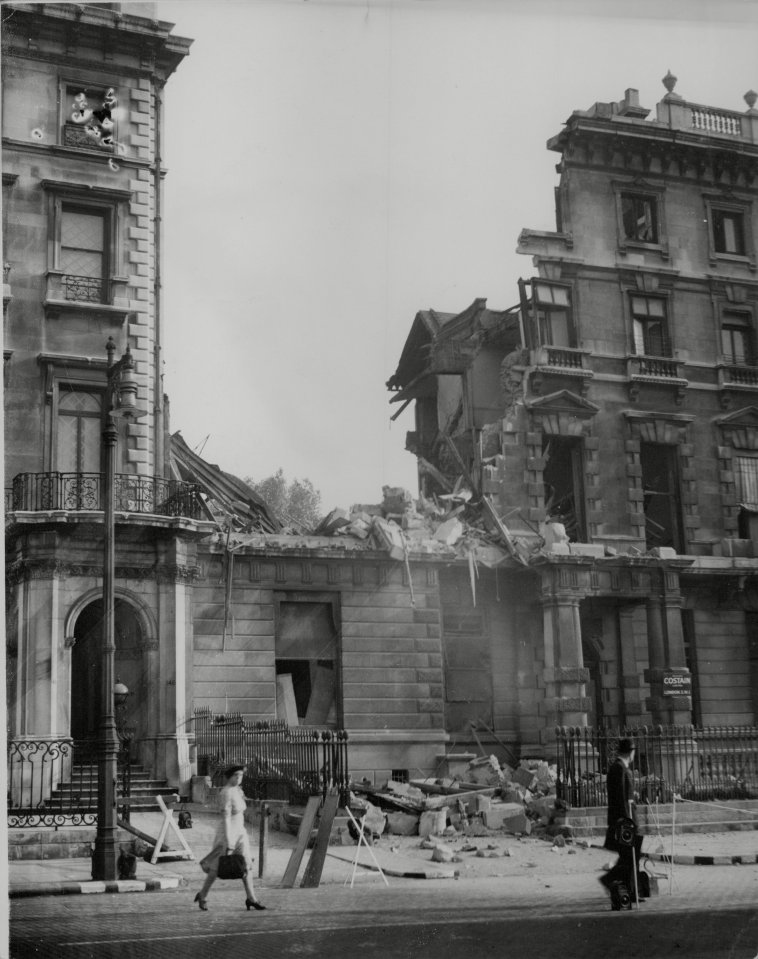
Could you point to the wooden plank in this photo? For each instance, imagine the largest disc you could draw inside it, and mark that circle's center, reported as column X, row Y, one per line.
column 395, row 864
column 286, row 707
column 315, row 866
column 303, row 835
column 322, row 697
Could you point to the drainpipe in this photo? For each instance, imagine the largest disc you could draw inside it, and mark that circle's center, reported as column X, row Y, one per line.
column 159, row 465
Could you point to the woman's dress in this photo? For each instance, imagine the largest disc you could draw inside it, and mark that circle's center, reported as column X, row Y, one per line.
column 230, row 833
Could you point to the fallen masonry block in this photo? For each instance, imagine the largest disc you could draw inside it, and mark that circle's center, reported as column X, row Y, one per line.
column 543, row 809
column 476, row 828
column 489, row 853
column 402, row 823
column 390, row 537
column 396, row 499
column 518, row 825
column 500, row 813
column 524, row 777
column 357, row 528
column 512, row 794
column 442, row 854
column 404, row 789
column 432, row 821
column 449, row 532
column 332, row 522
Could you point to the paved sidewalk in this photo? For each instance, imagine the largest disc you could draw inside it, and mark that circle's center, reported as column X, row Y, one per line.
column 527, row 866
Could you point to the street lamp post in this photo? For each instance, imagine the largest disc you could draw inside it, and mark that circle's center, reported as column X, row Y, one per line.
column 121, row 397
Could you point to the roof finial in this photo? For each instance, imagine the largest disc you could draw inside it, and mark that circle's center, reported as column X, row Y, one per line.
column 750, row 98
column 669, row 81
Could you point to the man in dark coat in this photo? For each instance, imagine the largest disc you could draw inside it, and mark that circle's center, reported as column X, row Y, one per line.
column 620, row 786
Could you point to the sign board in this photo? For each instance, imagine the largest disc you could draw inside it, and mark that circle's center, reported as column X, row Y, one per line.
column 677, row 684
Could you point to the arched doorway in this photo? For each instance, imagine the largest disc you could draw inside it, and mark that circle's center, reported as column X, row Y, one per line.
column 86, row 663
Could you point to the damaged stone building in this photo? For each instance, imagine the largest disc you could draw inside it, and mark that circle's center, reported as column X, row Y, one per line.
column 582, row 542
column 605, row 426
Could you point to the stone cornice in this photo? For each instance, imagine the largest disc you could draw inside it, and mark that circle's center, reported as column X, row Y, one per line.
column 56, row 149
column 23, row 570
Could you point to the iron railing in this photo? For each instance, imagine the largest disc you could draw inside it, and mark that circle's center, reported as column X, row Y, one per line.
column 54, row 782
column 281, row 762
column 698, row 763
column 85, row 491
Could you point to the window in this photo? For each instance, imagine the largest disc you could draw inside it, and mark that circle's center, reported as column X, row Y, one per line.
column 729, row 232
column 660, row 487
column 650, row 327
column 83, row 253
column 89, row 121
column 746, row 477
column 78, row 434
column 639, row 216
column 306, row 663
column 86, row 253
column 737, row 339
column 564, row 489
column 552, row 304
column 729, row 229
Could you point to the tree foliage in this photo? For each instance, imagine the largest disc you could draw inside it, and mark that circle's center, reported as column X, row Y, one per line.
column 296, row 504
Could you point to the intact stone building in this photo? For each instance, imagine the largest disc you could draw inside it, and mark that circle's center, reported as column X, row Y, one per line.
column 82, row 205
column 609, row 418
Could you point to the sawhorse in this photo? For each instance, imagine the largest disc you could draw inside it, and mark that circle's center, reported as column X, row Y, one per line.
column 168, row 823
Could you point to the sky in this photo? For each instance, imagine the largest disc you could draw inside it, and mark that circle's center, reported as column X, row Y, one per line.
column 335, row 166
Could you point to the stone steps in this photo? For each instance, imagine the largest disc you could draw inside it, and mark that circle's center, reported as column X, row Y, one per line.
column 742, row 814
column 143, row 788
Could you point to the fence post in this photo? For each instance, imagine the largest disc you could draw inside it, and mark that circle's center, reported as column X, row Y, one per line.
column 263, row 839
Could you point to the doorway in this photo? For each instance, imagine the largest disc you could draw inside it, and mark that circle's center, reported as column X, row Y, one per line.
column 86, row 665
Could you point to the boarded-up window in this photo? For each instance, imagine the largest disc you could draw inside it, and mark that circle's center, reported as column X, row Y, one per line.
column 468, row 669
column 306, row 663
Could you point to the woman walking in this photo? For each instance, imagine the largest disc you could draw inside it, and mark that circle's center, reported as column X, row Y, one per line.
column 230, row 837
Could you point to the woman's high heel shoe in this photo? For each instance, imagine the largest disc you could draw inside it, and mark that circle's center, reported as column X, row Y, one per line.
column 254, row 904
column 201, row 902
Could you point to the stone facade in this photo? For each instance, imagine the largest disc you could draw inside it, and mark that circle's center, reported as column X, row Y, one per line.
column 82, row 182
column 618, row 444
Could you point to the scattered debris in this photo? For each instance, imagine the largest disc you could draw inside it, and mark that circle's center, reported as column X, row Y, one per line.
column 490, row 798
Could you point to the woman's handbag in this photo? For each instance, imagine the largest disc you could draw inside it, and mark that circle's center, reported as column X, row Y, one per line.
column 232, row 866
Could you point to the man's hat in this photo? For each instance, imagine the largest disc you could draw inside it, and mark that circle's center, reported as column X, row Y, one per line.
column 625, row 746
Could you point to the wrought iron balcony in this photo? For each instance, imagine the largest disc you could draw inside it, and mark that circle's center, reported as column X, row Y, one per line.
column 35, row 492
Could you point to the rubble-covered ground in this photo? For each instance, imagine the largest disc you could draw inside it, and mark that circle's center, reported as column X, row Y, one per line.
column 487, row 800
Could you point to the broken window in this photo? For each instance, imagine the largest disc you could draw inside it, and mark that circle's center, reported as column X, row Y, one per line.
column 640, row 217
column 564, row 488
column 552, row 304
column 737, row 338
column 650, row 327
column 660, row 486
column 306, row 663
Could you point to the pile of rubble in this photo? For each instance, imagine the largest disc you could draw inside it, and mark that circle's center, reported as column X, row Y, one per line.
column 401, row 525
column 491, row 798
